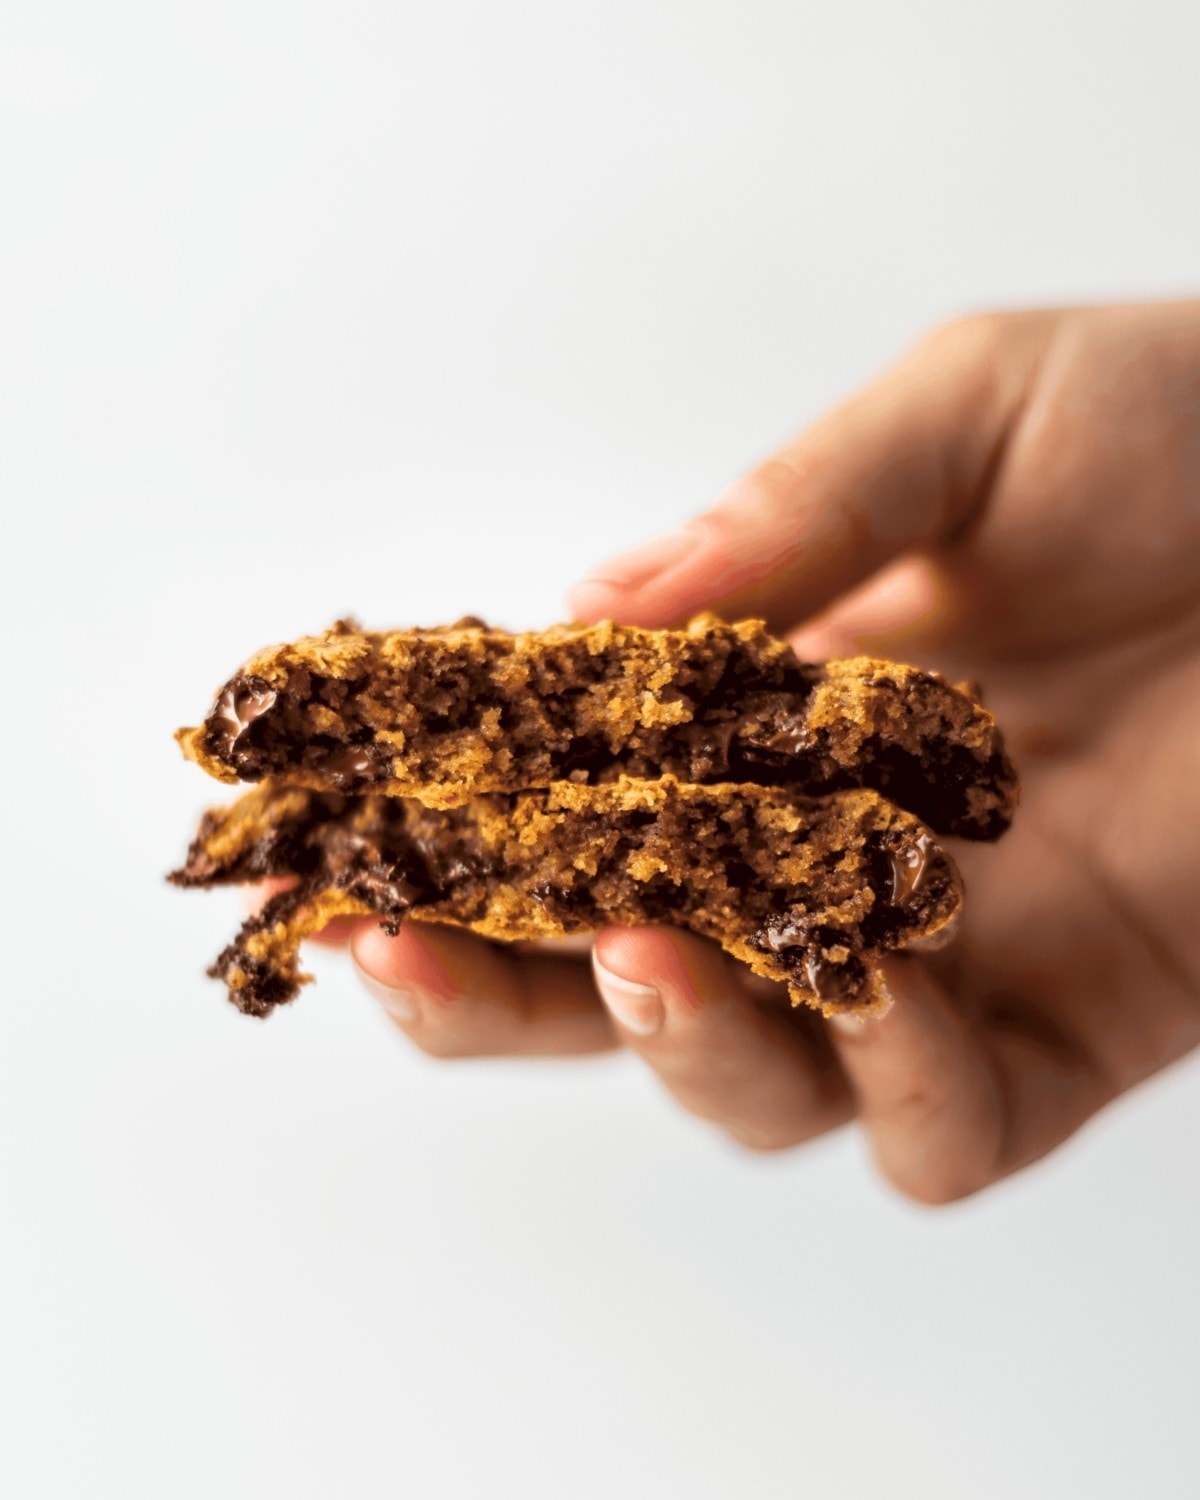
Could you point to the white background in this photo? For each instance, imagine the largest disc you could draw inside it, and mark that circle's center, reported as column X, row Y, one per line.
column 414, row 310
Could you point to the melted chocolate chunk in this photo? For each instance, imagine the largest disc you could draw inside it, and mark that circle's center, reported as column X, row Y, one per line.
column 909, row 867
column 787, row 733
column 792, row 929
column 388, row 889
column 836, row 984
column 708, row 745
column 351, row 767
column 834, row 973
column 240, row 704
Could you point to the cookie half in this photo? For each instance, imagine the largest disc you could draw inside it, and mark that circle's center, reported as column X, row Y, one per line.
column 806, row 892
column 444, row 714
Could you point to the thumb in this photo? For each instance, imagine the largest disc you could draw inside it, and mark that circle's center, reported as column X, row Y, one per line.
column 905, row 463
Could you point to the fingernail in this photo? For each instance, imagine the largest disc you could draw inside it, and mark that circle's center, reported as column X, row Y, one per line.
column 607, row 582
column 402, row 1004
column 637, row 1007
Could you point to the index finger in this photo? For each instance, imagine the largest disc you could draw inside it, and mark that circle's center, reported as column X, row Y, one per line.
column 904, row 464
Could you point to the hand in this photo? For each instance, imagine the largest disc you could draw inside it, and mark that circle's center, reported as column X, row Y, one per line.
column 1017, row 502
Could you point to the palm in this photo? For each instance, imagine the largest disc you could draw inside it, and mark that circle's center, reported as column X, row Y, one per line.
column 1080, row 922
column 1076, row 602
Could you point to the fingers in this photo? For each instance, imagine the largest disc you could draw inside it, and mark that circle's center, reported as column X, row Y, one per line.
column 766, row 1080
column 950, row 1107
column 899, row 466
column 907, row 611
column 455, row 995
column 1052, row 1084
column 928, row 1098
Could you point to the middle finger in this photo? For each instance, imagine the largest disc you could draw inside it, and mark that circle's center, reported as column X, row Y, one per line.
column 769, row 1080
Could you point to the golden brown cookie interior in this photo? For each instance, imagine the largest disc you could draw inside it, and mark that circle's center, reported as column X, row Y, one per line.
column 445, row 714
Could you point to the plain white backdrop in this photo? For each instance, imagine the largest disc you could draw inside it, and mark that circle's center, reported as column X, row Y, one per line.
column 412, row 311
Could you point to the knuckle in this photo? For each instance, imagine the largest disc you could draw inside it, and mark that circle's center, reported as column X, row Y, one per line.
column 978, row 340
column 756, row 498
column 968, row 333
column 918, row 1111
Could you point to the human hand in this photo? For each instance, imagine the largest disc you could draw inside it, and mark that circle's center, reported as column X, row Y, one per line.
column 1017, row 501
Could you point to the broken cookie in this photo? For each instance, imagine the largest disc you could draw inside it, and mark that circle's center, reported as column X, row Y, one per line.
column 808, row 892
column 446, row 714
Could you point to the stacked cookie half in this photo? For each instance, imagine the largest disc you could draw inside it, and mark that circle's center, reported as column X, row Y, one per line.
column 554, row 782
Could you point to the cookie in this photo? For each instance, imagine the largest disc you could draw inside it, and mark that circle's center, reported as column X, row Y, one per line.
column 442, row 715
column 809, row 892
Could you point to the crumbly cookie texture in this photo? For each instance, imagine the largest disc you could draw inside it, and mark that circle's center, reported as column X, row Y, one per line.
column 446, row 714
column 807, row 892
